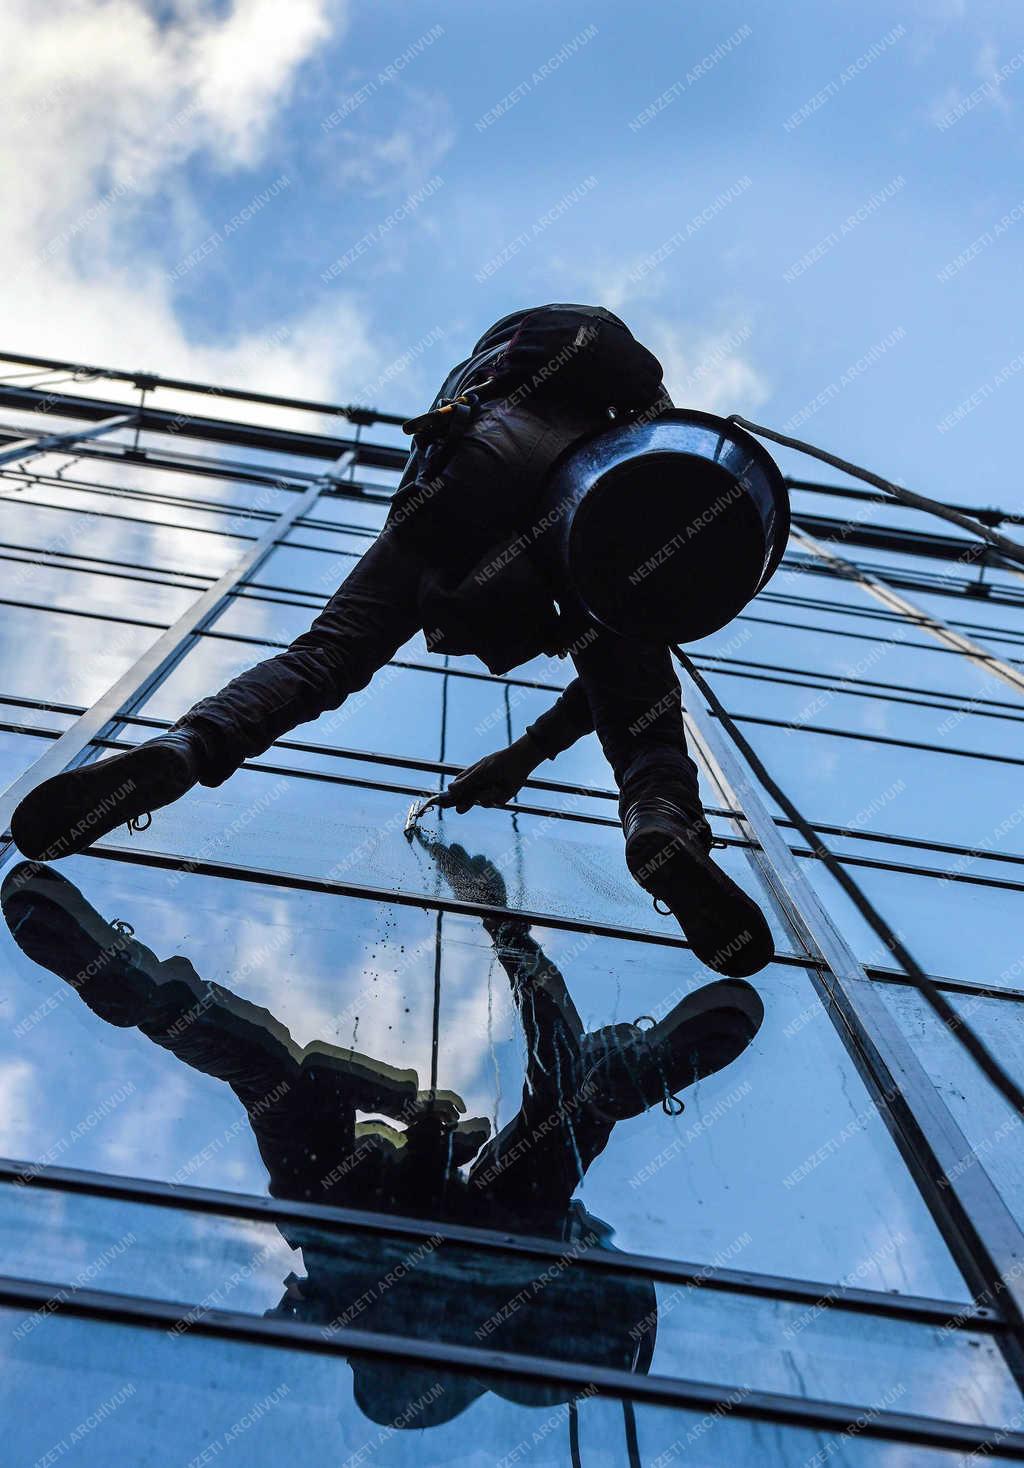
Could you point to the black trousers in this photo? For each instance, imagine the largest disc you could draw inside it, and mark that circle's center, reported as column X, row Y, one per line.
column 450, row 516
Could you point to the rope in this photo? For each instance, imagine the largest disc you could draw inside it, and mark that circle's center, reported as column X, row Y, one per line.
column 1009, row 548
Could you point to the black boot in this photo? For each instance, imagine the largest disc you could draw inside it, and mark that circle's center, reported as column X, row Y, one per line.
column 69, row 812
column 631, row 1069
column 668, row 853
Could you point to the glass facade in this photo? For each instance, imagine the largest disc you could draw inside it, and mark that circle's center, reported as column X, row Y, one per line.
column 300, row 1169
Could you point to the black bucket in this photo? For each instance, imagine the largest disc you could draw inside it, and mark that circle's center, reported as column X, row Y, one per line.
column 667, row 529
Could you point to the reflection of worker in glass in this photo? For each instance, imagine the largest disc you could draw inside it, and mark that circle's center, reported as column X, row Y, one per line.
column 302, row 1103
column 465, row 556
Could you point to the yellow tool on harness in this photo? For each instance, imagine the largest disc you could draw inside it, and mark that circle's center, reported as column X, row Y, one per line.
column 465, row 405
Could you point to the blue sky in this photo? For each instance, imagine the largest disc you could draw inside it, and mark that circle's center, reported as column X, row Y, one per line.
column 783, row 265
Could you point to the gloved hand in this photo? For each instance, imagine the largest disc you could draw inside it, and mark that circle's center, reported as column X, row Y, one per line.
column 494, row 780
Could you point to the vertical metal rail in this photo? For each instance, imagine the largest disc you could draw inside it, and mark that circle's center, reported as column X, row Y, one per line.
column 878, row 588
column 157, row 661
column 983, row 1237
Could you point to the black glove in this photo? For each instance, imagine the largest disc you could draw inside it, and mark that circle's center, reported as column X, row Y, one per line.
column 494, row 780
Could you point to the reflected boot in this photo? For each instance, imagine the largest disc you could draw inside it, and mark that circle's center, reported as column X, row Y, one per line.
column 68, row 812
column 668, row 852
column 57, row 928
column 124, row 983
column 631, row 1069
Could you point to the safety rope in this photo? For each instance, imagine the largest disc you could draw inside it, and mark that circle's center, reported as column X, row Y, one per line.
column 1009, row 548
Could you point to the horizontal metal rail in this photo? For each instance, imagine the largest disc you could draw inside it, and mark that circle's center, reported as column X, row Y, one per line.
column 861, row 1420
column 557, row 787
column 149, row 382
column 332, row 1220
column 46, row 442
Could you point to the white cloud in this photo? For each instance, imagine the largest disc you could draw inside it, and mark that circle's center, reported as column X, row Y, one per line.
column 404, row 155
column 708, row 370
column 105, row 106
column 19, row 1107
column 706, row 367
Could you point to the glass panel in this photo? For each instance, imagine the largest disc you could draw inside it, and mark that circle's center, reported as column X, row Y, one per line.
column 565, row 869
column 318, row 572
column 735, row 1164
column 74, row 586
column 399, row 713
column 319, row 1013
column 17, row 752
column 121, row 541
column 869, row 786
column 843, row 646
column 337, row 972
column 950, row 928
column 124, row 502
column 468, row 1296
column 119, row 1394
column 990, row 1124
column 83, row 656
column 963, row 725
column 345, row 510
column 974, row 614
column 157, row 479
column 484, row 716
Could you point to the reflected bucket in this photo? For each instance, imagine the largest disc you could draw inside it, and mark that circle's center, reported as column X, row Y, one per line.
column 667, row 529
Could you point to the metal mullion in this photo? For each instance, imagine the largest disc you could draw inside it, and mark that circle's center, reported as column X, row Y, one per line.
column 969, row 987
column 556, row 787
column 203, row 466
column 918, row 843
column 332, row 1218
column 879, row 694
column 146, row 496
column 850, row 859
column 52, row 609
column 890, row 739
column 108, row 562
column 132, row 492
column 45, row 443
column 959, row 588
column 152, row 667
column 177, row 384
column 917, row 617
column 43, row 705
column 735, row 666
column 211, row 430
column 716, row 1399
column 875, row 497
column 844, row 632
column 819, row 604
column 109, row 570
column 427, row 902
column 985, row 1240
column 265, row 767
column 325, row 550
column 154, row 459
column 133, row 519
column 32, row 731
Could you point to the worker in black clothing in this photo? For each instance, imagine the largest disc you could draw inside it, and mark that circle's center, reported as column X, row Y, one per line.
column 463, row 547
column 302, row 1104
